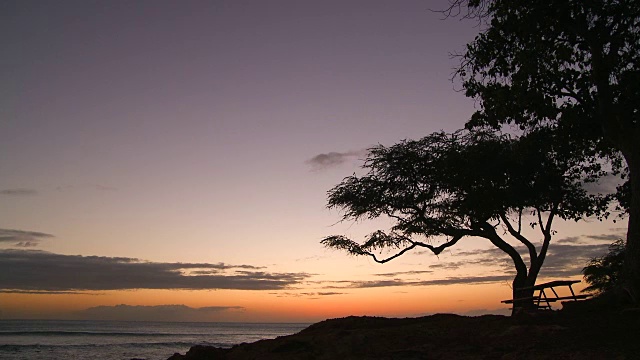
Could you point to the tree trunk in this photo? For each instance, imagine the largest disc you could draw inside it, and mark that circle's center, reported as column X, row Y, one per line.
column 632, row 250
column 520, row 281
column 522, row 295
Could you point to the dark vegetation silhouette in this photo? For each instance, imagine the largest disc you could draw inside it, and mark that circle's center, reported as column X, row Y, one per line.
column 445, row 187
column 605, row 274
column 445, row 337
column 571, row 66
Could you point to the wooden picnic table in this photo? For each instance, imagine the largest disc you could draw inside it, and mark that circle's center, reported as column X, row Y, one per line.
column 544, row 300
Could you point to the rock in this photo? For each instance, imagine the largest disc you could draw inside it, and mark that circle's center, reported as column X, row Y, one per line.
column 556, row 335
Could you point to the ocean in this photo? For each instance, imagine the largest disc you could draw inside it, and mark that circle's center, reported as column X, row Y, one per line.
column 124, row 340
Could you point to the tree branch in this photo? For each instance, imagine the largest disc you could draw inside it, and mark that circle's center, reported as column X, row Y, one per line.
column 375, row 258
column 552, row 214
column 438, row 249
column 491, row 235
column 519, row 220
column 542, row 227
column 537, row 265
column 434, row 249
column 516, row 234
column 343, row 243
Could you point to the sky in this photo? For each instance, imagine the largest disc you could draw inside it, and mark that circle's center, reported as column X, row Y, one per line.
column 170, row 160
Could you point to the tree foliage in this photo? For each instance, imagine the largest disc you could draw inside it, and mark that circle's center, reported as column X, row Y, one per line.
column 446, row 187
column 569, row 65
column 573, row 64
column 605, row 273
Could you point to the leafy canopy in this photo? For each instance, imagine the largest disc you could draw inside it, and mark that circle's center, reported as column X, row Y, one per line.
column 463, row 184
column 605, row 273
column 570, row 65
column 574, row 63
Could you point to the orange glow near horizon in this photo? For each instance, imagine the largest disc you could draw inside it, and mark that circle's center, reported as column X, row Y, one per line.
column 274, row 306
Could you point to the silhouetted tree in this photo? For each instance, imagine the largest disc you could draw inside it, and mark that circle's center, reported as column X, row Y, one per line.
column 569, row 65
column 446, row 187
column 605, row 273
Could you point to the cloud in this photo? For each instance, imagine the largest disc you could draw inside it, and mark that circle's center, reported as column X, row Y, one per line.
column 483, row 260
column 586, row 239
column 38, row 292
column 568, row 260
column 619, row 229
column 449, row 265
column 18, row 192
column 605, row 237
column 345, row 284
column 310, row 295
column 22, row 238
column 606, row 185
column 155, row 313
column 98, row 187
column 333, row 159
column 565, row 258
column 570, row 240
column 402, row 273
column 32, row 270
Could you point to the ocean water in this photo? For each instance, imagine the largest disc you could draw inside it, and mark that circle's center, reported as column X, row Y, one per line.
column 124, row 340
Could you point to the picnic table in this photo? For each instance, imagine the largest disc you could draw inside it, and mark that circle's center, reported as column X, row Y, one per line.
column 544, row 299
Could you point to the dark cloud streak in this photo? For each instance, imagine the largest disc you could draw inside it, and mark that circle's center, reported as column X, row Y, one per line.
column 398, row 282
column 333, row 159
column 589, row 239
column 309, row 295
column 18, row 192
column 22, row 238
column 30, row 270
column 402, row 273
column 37, row 292
column 564, row 258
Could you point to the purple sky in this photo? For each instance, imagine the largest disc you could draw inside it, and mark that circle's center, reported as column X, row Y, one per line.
column 108, row 84
column 186, row 104
column 210, row 131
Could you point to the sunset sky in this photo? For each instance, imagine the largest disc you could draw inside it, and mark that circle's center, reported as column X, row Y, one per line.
column 169, row 160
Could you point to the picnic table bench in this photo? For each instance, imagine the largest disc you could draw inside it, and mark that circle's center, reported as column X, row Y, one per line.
column 543, row 300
